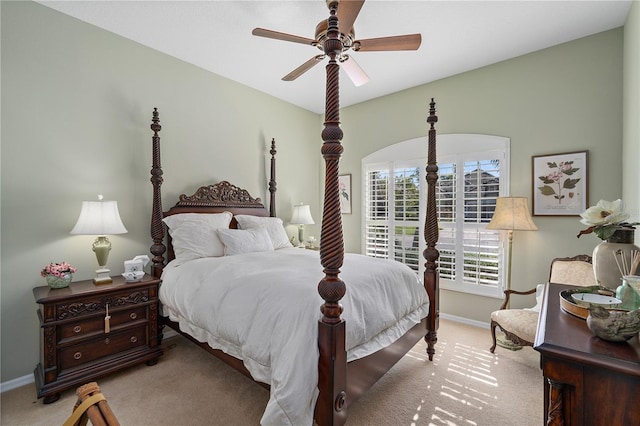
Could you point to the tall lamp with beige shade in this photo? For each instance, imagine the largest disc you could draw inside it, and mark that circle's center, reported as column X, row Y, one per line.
column 100, row 218
column 511, row 214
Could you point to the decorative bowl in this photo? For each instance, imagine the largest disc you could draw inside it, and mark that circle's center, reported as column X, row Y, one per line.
column 591, row 299
column 59, row 282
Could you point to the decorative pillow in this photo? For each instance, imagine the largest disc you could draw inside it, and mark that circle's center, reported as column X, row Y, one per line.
column 238, row 241
column 273, row 225
column 194, row 234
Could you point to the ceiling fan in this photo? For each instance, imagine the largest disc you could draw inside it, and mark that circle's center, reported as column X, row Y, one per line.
column 347, row 12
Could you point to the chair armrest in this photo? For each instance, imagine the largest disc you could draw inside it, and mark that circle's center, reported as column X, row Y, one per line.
column 508, row 293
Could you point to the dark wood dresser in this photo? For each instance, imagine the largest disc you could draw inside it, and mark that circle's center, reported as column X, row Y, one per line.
column 587, row 380
column 80, row 344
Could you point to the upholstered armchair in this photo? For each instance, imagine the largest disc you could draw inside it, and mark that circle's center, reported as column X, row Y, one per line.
column 519, row 325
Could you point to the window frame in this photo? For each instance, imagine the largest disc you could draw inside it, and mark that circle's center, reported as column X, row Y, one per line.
column 449, row 146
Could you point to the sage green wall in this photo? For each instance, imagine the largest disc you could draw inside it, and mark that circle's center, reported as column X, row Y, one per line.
column 76, row 110
column 631, row 122
column 561, row 99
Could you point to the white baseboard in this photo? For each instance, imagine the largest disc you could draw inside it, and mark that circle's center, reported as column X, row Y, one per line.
column 28, row 379
column 169, row 333
column 16, row 383
column 465, row 320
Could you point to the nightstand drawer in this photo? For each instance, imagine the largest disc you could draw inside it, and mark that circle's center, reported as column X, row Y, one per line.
column 96, row 324
column 109, row 344
column 91, row 304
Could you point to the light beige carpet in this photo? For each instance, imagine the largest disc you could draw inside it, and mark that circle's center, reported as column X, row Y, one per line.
column 464, row 385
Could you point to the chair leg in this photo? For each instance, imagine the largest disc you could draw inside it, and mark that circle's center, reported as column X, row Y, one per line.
column 493, row 336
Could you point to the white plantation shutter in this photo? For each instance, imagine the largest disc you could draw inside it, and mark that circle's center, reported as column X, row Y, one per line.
column 481, row 247
column 467, row 189
column 393, row 212
column 377, row 212
column 446, row 200
column 406, row 223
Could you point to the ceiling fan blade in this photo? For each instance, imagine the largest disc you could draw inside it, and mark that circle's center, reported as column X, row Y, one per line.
column 353, row 70
column 261, row 32
column 347, row 13
column 303, row 68
column 403, row 42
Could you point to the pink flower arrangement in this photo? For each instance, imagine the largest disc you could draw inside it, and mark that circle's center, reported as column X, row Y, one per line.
column 58, row 269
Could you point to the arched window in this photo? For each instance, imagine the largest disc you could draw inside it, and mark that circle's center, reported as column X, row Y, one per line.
column 473, row 172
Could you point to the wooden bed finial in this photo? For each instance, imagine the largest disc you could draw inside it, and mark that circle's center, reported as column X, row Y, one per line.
column 431, row 254
column 157, row 226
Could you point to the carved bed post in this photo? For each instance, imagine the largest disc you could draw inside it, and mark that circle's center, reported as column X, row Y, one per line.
column 332, row 367
column 157, row 226
column 431, row 254
column 272, row 180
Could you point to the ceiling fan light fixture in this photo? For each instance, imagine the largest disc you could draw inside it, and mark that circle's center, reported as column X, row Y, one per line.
column 347, row 40
column 345, row 12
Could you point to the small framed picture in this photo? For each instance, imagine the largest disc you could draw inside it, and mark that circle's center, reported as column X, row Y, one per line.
column 344, row 186
column 560, row 184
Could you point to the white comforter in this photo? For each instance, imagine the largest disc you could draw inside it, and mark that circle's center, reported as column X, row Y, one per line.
column 264, row 308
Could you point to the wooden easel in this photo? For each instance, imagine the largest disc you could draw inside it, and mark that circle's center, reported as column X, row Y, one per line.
column 91, row 405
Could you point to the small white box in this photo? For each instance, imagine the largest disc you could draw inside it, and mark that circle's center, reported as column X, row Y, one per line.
column 133, row 265
column 134, row 268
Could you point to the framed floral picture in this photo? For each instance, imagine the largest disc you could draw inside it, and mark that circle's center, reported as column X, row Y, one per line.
column 560, row 184
column 344, row 186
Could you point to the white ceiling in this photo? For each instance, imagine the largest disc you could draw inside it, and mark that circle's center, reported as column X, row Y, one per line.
column 457, row 36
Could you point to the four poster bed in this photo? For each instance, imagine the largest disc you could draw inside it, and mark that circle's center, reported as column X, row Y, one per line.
column 252, row 299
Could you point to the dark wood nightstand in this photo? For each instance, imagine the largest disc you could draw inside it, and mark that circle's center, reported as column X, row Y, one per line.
column 77, row 344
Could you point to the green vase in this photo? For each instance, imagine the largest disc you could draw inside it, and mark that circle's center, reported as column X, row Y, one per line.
column 626, row 293
column 59, row 282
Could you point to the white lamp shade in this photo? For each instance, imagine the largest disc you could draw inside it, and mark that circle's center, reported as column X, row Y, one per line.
column 99, row 218
column 301, row 215
column 512, row 213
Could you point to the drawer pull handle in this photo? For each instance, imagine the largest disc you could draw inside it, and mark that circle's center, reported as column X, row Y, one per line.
column 107, row 341
column 77, row 329
column 133, row 315
column 134, row 339
column 77, row 355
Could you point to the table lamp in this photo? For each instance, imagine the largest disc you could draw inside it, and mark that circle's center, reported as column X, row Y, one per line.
column 100, row 218
column 301, row 216
column 511, row 214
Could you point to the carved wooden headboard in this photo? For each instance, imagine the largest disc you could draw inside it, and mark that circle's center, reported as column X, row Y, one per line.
column 216, row 198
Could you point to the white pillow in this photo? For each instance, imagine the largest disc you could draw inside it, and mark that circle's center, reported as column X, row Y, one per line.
column 194, row 235
column 238, row 241
column 273, row 225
